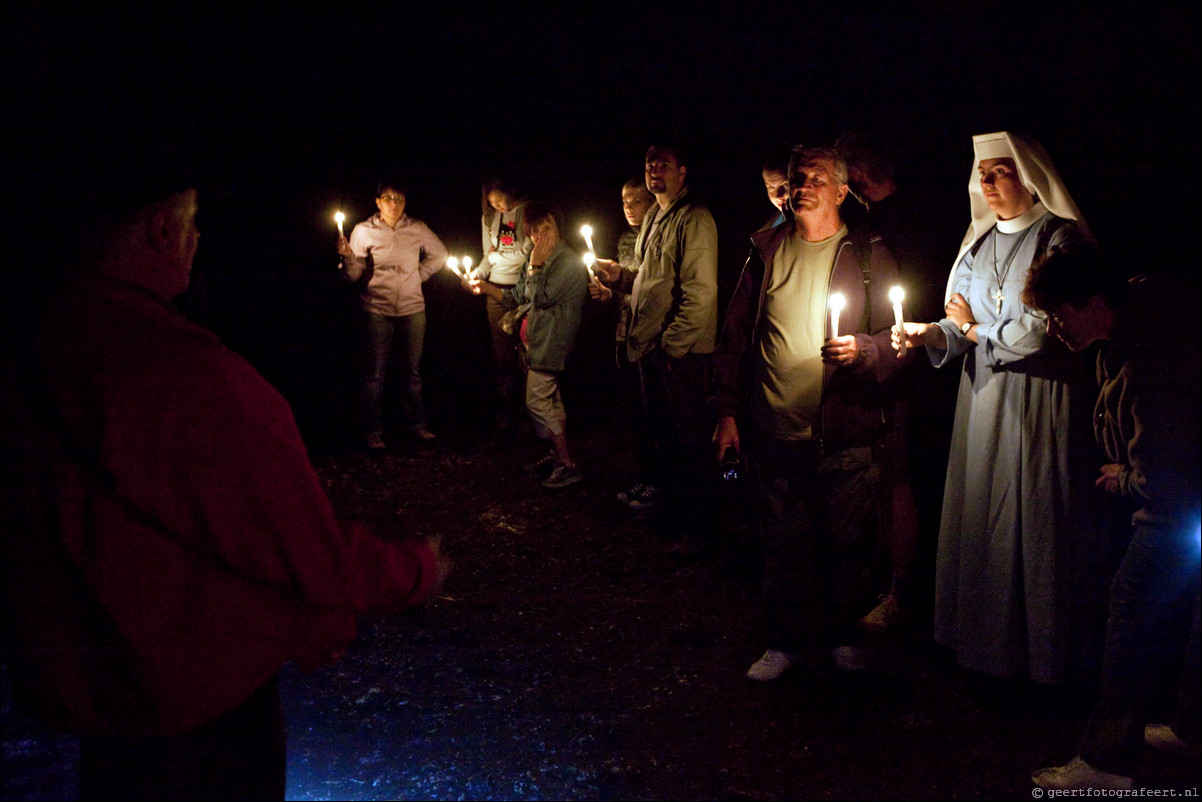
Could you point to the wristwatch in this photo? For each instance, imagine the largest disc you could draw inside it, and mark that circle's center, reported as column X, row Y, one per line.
column 964, row 329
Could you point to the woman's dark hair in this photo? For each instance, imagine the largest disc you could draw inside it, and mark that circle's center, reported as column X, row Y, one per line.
column 497, row 185
column 540, row 211
column 391, row 182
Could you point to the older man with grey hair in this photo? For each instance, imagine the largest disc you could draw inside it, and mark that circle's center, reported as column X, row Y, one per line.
column 799, row 399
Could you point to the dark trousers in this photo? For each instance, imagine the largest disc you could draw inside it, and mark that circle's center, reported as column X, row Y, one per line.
column 1153, row 604
column 674, row 392
column 394, row 346
column 509, row 379
column 630, row 390
column 817, row 519
column 240, row 755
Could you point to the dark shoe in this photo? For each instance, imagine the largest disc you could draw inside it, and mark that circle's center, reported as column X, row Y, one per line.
column 543, row 466
column 626, row 495
column 848, row 659
column 421, row 434
column 563, row 476
column 885, row 616
column 640, row 497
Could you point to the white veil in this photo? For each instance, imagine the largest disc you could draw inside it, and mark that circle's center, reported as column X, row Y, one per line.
column 1037, row 174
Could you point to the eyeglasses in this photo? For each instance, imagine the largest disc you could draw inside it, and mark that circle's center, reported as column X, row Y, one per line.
column 393, row 198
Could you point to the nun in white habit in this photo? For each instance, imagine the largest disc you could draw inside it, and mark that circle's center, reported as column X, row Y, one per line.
column 1020, row 591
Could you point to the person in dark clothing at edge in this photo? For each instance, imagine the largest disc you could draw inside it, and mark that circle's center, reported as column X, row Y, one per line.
column 167, row 544
column 919, row 437
column 1146, row 419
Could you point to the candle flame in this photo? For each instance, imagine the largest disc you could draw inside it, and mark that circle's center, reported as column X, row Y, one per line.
column 339, row 217
column 467, row 263
column 453, row 263
column 897, row 295
column 837, row 302
column 586, row 231
column 590, row 259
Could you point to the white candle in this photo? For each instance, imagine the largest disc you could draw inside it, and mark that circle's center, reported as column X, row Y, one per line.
column 590, row 259
column 467, row 266
column 836, row 303
column 453, row 263
column 897, row 295
column 338, row 218
column 586, row 231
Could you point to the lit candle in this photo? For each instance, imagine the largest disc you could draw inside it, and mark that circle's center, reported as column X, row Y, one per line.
column 897, row 295
column 467, row 266
column 338, row 218
column 590, row 259
column 836, row 303
column 453, row 263
column 586, row 231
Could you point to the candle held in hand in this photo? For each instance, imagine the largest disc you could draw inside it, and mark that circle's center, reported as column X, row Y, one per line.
column 338, row 218
column 590, row 259
column 836, row 303
column 586, row 231
column 897, row 295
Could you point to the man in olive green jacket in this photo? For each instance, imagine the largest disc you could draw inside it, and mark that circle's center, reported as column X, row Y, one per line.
column 673, row 289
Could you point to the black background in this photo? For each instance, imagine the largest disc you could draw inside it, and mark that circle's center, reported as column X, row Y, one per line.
column 296, row 109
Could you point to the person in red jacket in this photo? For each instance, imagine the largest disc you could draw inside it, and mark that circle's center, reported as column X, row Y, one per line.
column 168, row 546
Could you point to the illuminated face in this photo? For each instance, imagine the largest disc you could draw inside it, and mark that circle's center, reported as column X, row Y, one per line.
column 544, row 228
column 664, row 175
column 1004, row 191
column 813, row 189
column 500, row 201
column 777, row 185
column 391, row 204
column 635, row 204
column 1078, row 326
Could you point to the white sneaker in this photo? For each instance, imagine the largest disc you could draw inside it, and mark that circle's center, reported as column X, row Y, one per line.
column 770, row 666
column 1079, row 774
column 848, row 659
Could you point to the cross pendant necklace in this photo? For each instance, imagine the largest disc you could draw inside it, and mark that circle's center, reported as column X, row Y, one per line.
column 999, row 297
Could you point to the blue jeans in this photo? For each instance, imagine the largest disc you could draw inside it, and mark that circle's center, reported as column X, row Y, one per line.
column 394, row 344
column 1153, row 600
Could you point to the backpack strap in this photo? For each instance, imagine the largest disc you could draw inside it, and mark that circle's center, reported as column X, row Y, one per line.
column 863, row 247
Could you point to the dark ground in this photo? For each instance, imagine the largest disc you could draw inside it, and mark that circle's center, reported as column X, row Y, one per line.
column 568, row 657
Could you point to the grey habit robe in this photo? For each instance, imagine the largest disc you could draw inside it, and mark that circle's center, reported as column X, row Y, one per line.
column 1020, row 580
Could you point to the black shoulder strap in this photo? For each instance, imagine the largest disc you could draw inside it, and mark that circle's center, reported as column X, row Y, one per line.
column 863, row 245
